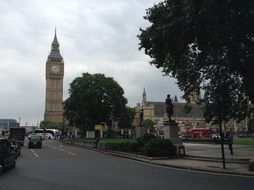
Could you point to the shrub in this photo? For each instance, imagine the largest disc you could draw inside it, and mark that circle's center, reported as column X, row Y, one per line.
column 110, row 133
column 159, row 147
column 142, row 141
column 128, row 146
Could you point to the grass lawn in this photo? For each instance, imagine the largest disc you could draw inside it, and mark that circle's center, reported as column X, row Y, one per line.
column 244, row 141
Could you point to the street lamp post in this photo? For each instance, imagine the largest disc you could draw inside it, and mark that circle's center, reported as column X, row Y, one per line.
column 19, row 121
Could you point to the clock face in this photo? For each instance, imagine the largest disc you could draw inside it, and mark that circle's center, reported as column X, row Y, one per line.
column 55, row 68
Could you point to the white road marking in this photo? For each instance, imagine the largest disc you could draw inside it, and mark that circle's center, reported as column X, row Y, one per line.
column 71, row 153
column 35, row 153
column 61, row 149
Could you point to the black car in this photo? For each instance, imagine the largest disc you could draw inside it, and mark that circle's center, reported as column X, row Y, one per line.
column 34, row 141
column 16, row 147
column 7, row 155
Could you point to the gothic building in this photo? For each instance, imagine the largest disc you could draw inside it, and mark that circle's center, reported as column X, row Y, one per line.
column 54, row 84
column 156, row 111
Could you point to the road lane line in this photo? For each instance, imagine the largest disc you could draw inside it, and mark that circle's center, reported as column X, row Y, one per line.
column 71, row 153
column 61, row 149
column 35, row 153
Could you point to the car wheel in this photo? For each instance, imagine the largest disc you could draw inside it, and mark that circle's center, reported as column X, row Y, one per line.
column 4, row 167
column 1, row 169
column 14, row 164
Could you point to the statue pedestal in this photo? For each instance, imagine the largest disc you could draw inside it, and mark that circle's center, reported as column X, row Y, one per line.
column 140, row 131
column 171, row 132
column 170, row 129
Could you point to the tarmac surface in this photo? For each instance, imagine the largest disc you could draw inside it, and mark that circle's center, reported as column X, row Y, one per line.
column 204, row 157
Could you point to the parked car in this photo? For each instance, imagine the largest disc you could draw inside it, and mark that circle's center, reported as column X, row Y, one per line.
column 7, row 155
column 34, row 141
column 16, row 147
column 183, row 137
column 216, row 137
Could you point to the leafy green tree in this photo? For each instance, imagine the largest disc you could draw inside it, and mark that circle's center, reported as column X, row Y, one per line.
column 50, row 125
column 148, row 123
column 127, row 117
column 132, row 113
column 251, row 125
column 94, row 99
column 208, row 45
column 125, row 121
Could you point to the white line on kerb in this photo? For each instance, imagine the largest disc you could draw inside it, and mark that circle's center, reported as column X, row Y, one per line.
column 72, row 153
column 35, row 153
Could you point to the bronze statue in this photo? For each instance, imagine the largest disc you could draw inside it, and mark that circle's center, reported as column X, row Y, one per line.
column 169, row 108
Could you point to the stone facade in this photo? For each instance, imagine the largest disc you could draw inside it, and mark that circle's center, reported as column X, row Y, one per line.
column 54, row 85
column 156, row 111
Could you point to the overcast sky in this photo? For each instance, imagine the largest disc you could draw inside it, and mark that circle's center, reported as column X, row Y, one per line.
column 95, row 36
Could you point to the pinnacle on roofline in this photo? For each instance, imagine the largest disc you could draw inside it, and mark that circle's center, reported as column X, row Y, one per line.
column 55, row 42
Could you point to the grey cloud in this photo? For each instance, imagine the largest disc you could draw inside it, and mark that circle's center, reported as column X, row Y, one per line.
column 94, row 36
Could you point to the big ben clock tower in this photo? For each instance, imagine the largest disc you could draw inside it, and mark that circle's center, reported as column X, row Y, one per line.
column 54, row 85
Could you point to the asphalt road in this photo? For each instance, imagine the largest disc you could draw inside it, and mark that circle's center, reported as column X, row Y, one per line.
column 57, row 166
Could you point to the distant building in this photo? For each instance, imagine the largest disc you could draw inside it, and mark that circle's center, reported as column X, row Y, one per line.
column 156, row 111
column 8, row 123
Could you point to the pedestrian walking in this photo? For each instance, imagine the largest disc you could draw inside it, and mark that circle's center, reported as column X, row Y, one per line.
column 229, row 138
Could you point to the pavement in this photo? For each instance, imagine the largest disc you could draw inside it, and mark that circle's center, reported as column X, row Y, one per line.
column 203, row 157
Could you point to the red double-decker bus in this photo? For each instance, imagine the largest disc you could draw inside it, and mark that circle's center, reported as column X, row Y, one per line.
column 199, row 132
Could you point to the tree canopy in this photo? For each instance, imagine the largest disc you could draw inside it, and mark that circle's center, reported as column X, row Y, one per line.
column 94, row 99
column 126, row 118
column 251, row 125
column 208, row 45
column 50, row 125
column 148, row 123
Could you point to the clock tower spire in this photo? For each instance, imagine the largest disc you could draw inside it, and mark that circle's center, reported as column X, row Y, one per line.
column 54, row 84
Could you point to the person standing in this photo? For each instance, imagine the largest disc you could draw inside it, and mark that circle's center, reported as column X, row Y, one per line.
column 230, row 142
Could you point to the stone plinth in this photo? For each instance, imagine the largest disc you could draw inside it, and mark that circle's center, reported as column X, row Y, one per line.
column 90, row 134
column 171, row 129
column 140, row 131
